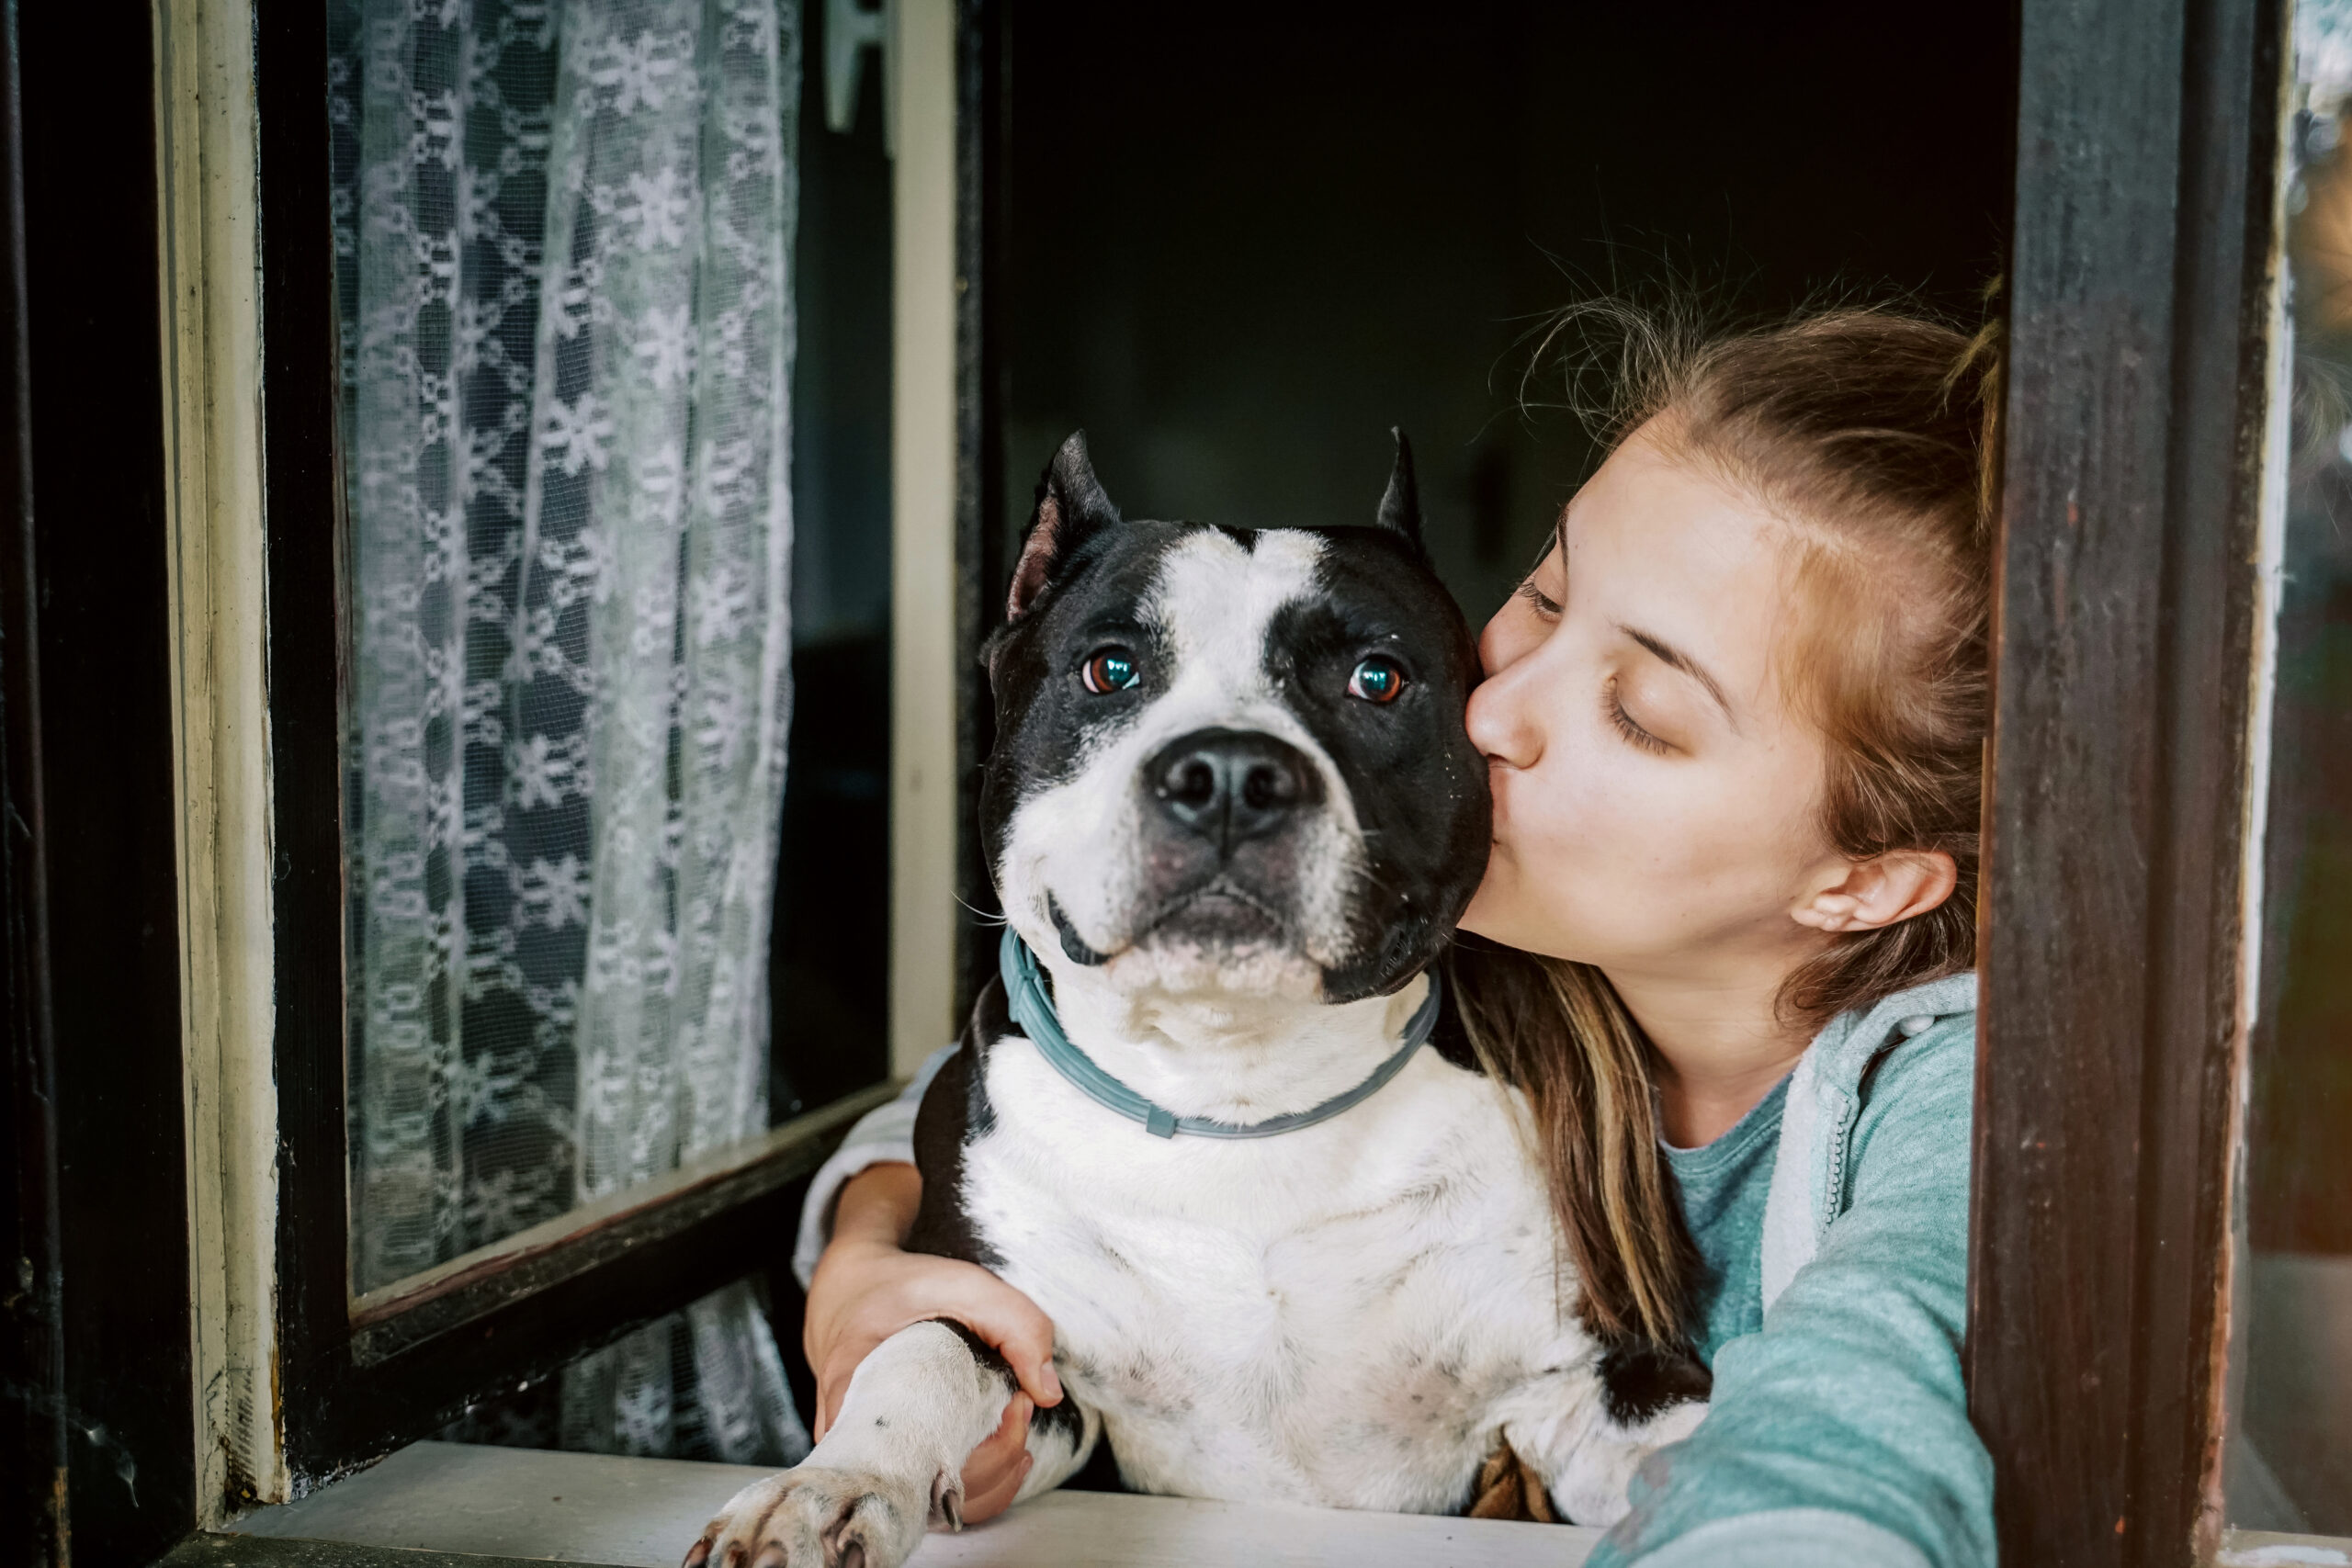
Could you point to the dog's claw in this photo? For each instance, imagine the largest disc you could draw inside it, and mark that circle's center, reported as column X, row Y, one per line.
column 816, row 1517
column 948, row 1500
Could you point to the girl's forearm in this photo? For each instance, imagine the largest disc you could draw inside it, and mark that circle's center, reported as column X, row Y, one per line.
column 877, row 1206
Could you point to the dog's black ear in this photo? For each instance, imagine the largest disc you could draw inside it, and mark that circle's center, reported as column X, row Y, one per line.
column 1071, row 508
column 1400, row 506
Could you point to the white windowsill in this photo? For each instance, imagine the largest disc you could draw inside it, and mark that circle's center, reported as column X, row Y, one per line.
column 644, row 1513
column 2264, row 1549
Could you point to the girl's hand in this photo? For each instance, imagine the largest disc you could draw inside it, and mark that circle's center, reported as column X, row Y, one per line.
column 867, row 1289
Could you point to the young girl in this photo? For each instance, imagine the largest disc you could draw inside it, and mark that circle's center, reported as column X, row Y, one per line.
column 1734, row 724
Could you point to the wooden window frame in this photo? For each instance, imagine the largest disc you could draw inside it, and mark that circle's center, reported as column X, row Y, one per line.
column 2127, row 743
column 343, row 1380
column 94, row 1319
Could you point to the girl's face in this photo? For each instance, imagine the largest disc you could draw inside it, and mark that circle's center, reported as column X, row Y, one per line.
column 1657, row 801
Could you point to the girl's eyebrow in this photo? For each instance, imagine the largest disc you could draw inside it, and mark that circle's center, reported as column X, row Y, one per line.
column 1674, row 658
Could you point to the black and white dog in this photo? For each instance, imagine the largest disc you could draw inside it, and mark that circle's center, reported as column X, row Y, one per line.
column 1232, row 818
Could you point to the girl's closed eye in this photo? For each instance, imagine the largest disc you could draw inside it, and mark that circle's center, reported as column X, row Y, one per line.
column 1542, row 603
column 1546, row 584
column 1627, row 725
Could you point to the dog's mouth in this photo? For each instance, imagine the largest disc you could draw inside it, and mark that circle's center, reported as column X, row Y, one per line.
column 1219, row 913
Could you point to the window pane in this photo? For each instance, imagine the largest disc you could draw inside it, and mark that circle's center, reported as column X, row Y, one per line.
column 2291, row 1466
column 602, row 522
column 704, row 1384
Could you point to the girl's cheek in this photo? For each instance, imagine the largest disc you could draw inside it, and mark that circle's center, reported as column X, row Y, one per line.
column 1579, row 806
column 1611, row 804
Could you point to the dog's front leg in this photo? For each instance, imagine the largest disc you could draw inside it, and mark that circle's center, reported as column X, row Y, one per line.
column 1590, row 1482
column 1061, row 1437
column 892, row 1463
column 1586, row 1451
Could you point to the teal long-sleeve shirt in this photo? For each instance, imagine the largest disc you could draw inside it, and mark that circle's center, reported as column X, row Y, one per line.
column 1839, row 1432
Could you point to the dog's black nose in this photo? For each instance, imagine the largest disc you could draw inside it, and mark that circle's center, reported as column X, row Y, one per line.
column 1231, row 784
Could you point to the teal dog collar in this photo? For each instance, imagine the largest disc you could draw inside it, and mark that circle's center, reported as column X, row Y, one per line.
column 1033, row 1009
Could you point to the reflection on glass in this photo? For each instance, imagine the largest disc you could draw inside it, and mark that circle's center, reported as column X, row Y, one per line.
column 568, row 247
column 2291, row 1462
column 676, row 1390
column 582, row 405
column 568, row 326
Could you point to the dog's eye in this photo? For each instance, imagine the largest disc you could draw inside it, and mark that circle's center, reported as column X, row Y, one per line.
column 1112, row 670
column 1376, row 681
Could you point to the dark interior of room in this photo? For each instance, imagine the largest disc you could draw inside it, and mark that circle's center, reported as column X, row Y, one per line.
column 1245, row 241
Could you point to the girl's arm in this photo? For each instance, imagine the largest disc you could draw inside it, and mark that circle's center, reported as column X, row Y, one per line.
column 862, row 1288
column 884, row 1136
column 1839, row 1432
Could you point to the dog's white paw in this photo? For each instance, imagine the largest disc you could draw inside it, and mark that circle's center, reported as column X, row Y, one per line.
column 814, row 1518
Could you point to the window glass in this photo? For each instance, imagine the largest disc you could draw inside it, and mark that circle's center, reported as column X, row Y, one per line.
column 614, row 307
column 2291, row 1465
column 704, row 1384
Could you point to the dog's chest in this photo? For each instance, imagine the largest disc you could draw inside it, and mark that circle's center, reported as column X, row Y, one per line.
column 1331, row 1315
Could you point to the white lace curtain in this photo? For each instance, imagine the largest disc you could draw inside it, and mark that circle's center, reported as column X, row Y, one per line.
column 562, row 232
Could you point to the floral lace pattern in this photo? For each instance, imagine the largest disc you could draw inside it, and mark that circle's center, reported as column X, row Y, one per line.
column 563, row 239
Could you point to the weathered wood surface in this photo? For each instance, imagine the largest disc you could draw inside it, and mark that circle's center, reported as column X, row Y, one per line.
column 2115, row 823
column 95, row 1354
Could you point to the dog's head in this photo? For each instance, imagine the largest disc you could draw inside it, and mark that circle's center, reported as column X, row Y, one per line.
column 1232, row 760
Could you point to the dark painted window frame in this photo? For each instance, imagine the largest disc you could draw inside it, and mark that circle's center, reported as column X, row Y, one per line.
column 355, row 1389
column 95, row 1402
column 2142, row 301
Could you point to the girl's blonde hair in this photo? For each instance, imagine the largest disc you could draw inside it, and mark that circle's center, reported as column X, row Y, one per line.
column 1871, row 433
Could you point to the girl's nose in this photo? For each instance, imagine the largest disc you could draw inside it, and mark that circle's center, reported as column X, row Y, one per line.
column 1502, row 722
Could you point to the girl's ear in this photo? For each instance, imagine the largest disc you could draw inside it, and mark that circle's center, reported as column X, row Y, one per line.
column 1071, row 508
column 1861, row 895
